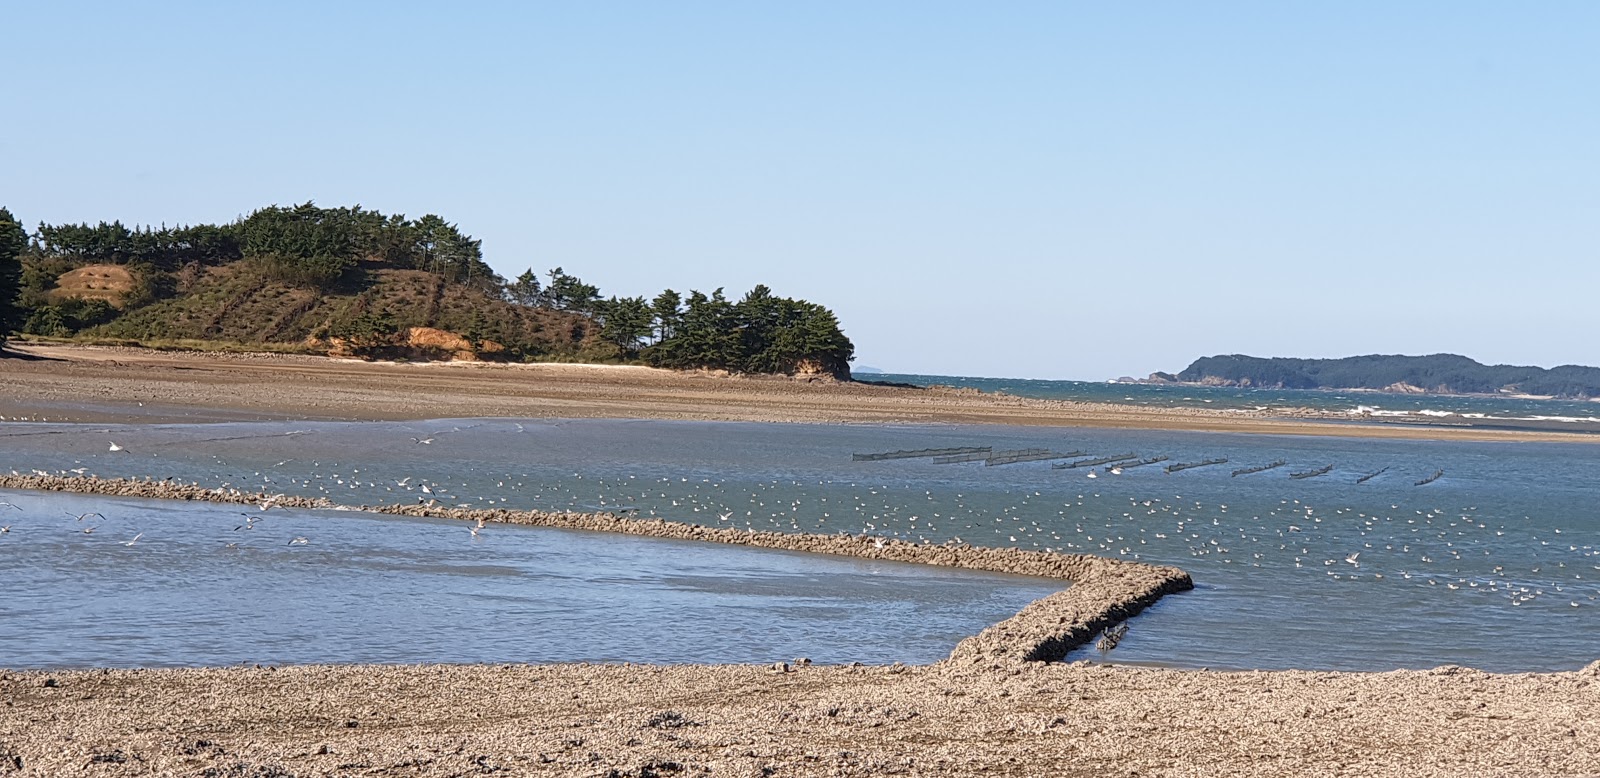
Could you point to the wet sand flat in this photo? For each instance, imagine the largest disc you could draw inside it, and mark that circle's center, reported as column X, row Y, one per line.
column 76, row 383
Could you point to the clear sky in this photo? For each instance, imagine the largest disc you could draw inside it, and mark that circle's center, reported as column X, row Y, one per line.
column 1046, row 190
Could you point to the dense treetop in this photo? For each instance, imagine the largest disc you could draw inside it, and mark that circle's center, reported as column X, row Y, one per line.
column 1445, row 373
column 360, row 278
column 13, row 240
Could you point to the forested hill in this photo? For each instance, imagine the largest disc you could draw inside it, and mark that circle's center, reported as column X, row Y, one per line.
column 1437, row 373
column 359, row 282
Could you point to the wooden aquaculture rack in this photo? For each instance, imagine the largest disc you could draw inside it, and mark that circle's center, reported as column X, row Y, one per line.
column 1094, row 462
column 1370, row 476
column 1182, row 466
column 986, row 455
column 926, row 452
column 1259, row 468
column 1312, row 473
column 1437, row 474
column 1126, row 465
column 1011, row 460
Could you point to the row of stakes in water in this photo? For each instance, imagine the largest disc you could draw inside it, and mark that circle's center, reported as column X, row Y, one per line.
column 1114, row 463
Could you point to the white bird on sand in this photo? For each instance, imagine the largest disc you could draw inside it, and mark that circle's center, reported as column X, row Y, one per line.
column 135, row 539
column 115, row 447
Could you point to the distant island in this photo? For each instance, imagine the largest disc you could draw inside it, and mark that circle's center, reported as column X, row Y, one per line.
column 349, row 281
column 1432, row 374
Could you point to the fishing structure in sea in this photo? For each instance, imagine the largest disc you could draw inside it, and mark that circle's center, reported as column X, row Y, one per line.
column 1031, row 457
column 1146, row 461
column 1372, row 475
column 919, row 453
column 1182, row 466
column 1259, row 468
column 1312, row 473
column 1437, row 474
column 1094, row 462
column 986, row 455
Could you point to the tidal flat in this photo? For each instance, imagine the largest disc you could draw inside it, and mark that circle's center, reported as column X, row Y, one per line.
column 1360, row 589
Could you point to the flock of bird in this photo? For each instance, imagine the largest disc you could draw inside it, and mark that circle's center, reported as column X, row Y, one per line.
column 1255, row 524
column 88, row 523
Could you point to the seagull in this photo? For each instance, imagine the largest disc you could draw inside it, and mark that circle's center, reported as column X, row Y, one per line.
column 9, row 505
column 422, row 441
column 403, row 481
column 135, row 539
column 1092, row 475
column 89, row 530
column 5, row 529
column 1352, row 559
column 115, row 447
column 81, row 517
column 299, row 541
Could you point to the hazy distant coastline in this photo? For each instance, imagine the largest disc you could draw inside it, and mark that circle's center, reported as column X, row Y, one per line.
column 1434, row 374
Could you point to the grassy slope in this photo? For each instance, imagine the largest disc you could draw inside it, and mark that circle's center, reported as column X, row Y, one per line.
column 237, row 303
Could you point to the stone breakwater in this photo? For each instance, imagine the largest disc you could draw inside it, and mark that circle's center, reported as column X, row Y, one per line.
column 1103, row 593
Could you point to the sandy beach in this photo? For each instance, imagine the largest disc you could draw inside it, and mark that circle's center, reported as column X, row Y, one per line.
column 988, row 710
column 99, row 384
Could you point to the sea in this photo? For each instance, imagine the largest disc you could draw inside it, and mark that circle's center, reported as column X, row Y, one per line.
column 1310, row 552
column 1354, row 404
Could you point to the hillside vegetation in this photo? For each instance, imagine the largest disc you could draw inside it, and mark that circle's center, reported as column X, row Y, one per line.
column 354, row 281
column 1441, row 373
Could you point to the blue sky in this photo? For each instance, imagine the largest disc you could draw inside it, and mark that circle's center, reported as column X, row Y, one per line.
column 1046, row 190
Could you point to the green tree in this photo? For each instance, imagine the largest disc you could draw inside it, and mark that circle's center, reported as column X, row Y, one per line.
column 526, row 290
column 569, row 293
column 668, row 308
column 624, row 322
column 13, row 240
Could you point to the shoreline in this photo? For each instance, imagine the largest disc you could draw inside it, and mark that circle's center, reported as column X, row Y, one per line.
column 989, row 709
column 1104, row 591
column 114, row 385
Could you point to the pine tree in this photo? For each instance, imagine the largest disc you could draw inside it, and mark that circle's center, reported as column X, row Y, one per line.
column 13, row 240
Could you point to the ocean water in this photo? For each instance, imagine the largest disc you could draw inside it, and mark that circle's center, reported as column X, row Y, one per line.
column 1382, row 405
column 1494, row 564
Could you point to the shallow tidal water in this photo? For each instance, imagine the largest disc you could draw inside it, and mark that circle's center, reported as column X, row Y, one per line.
column 166, row 583
column 1496, row 564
